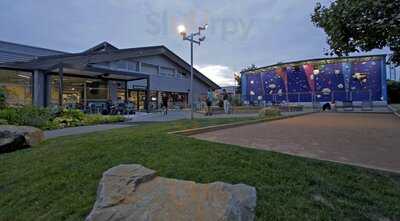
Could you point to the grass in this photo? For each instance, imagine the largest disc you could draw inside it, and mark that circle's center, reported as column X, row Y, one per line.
column 57, row 180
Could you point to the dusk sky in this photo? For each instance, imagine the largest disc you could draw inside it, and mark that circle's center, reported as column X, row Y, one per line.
column 240, row 33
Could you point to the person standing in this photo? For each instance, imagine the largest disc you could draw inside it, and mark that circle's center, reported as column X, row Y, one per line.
column 165, row 100
column 209, row 100
column 226, row 101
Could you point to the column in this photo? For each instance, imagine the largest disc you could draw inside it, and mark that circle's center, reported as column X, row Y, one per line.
column 39, row 88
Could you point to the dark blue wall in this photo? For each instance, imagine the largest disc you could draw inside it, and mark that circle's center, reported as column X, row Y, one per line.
column 355, row 79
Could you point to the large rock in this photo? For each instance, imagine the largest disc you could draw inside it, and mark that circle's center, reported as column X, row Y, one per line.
column 10, row 142
column 133, row 192
column 32, row 135
column 17, row 137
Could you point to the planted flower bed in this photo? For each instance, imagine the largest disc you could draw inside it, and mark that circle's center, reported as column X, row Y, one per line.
column 46, row 119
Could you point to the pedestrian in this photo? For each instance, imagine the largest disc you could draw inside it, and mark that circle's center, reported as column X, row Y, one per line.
column 226, row 101
column 210, row 97
column 165, row 99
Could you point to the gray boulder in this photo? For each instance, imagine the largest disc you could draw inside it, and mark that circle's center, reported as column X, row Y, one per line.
column 17, row 137
column 133, row 192
column 10, row 141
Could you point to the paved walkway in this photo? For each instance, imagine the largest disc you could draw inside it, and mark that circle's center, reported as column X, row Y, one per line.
column 137, row 118
column 369, row 140
column 179, row 115
column 81, row 130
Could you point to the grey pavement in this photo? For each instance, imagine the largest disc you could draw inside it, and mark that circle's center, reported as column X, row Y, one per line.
column 363, row 139
column 83, row 129
column 141, row 117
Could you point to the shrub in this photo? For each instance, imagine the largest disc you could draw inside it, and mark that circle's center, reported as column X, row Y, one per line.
column 3, row 122
column 29, row 116
column 2, row 98
column 44, row 118
column 269, row 112
column 69, row 118
column 102, row 119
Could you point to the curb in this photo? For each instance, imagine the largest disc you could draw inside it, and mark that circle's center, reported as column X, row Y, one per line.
column 393, row 110
column 194, row 131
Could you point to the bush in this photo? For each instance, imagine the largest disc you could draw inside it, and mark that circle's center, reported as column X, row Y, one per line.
column 102, row 119
column 29, row 116
column 44, row 118
column 393, row 89
column 3, row 122
column 2, row 98
column 236, row 101
column 269, row 112
column 69, row 118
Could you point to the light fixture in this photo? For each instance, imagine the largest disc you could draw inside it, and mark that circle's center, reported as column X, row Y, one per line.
column 182, row 30
column 202, row 38
column 204, row 27
column 23, row 76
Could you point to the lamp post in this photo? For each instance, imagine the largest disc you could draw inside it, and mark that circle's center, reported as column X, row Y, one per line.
column 191, row 39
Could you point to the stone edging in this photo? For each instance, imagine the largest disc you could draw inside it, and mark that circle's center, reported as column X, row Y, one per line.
column 193, row 131
column 393, row 110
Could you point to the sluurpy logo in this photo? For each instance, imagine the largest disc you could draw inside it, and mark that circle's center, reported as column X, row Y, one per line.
column 164, row 20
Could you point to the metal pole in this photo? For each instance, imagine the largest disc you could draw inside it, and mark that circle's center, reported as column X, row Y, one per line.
column 191, row 77
column 61, row 85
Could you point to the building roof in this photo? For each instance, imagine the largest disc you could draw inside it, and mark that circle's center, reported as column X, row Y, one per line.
column 104, row 46
column 12, row 52
column 97, row 54
column 260, row 69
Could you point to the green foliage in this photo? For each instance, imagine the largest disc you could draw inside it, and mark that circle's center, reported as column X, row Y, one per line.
column 393, row 88
column 2, row 98
column 236, row 101
column 361, row 25
column 102, row 119
column 238, row 79
column 249, row 68
column 45, row 118
column 269, row 112
column 28, row 115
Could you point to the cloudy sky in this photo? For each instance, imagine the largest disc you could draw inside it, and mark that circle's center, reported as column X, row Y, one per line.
column 240, row 33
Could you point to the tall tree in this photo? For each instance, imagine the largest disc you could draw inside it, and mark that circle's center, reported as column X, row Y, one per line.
column 238, row 78
column 249, row 68
column 360, row 25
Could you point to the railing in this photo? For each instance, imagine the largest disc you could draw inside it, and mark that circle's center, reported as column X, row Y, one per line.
column 306, row 97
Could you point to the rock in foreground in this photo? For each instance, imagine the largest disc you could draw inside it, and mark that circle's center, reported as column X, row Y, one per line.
column 17, row 137
column 133, row 192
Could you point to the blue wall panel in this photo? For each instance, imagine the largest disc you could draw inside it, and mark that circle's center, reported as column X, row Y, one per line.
column 356, row 79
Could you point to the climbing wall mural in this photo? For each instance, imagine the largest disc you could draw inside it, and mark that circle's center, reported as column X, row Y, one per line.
column 322, row 80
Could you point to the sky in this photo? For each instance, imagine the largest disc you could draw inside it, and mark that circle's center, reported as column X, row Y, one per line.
column 240, row 33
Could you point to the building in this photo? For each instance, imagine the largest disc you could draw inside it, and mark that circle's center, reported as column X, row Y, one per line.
column 103, row 73
column 355, row 79
column 231, row 90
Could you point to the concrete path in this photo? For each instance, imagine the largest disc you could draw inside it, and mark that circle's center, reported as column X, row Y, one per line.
column 137, row 118
column 368, row 140
column 179, row 115
column 82, row 130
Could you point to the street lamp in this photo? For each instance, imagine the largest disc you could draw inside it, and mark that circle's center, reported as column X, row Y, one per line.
column 191, row 39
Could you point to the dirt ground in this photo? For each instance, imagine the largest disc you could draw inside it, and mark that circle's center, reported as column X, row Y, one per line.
column 363, row 139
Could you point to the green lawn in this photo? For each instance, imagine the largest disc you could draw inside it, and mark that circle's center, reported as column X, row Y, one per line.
column 57, row 180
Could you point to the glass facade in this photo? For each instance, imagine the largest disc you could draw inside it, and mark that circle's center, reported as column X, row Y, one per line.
column 78, row 92
column 17, row 86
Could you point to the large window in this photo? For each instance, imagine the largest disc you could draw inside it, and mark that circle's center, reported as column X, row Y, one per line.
column 78, row 92
column 17, row 86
